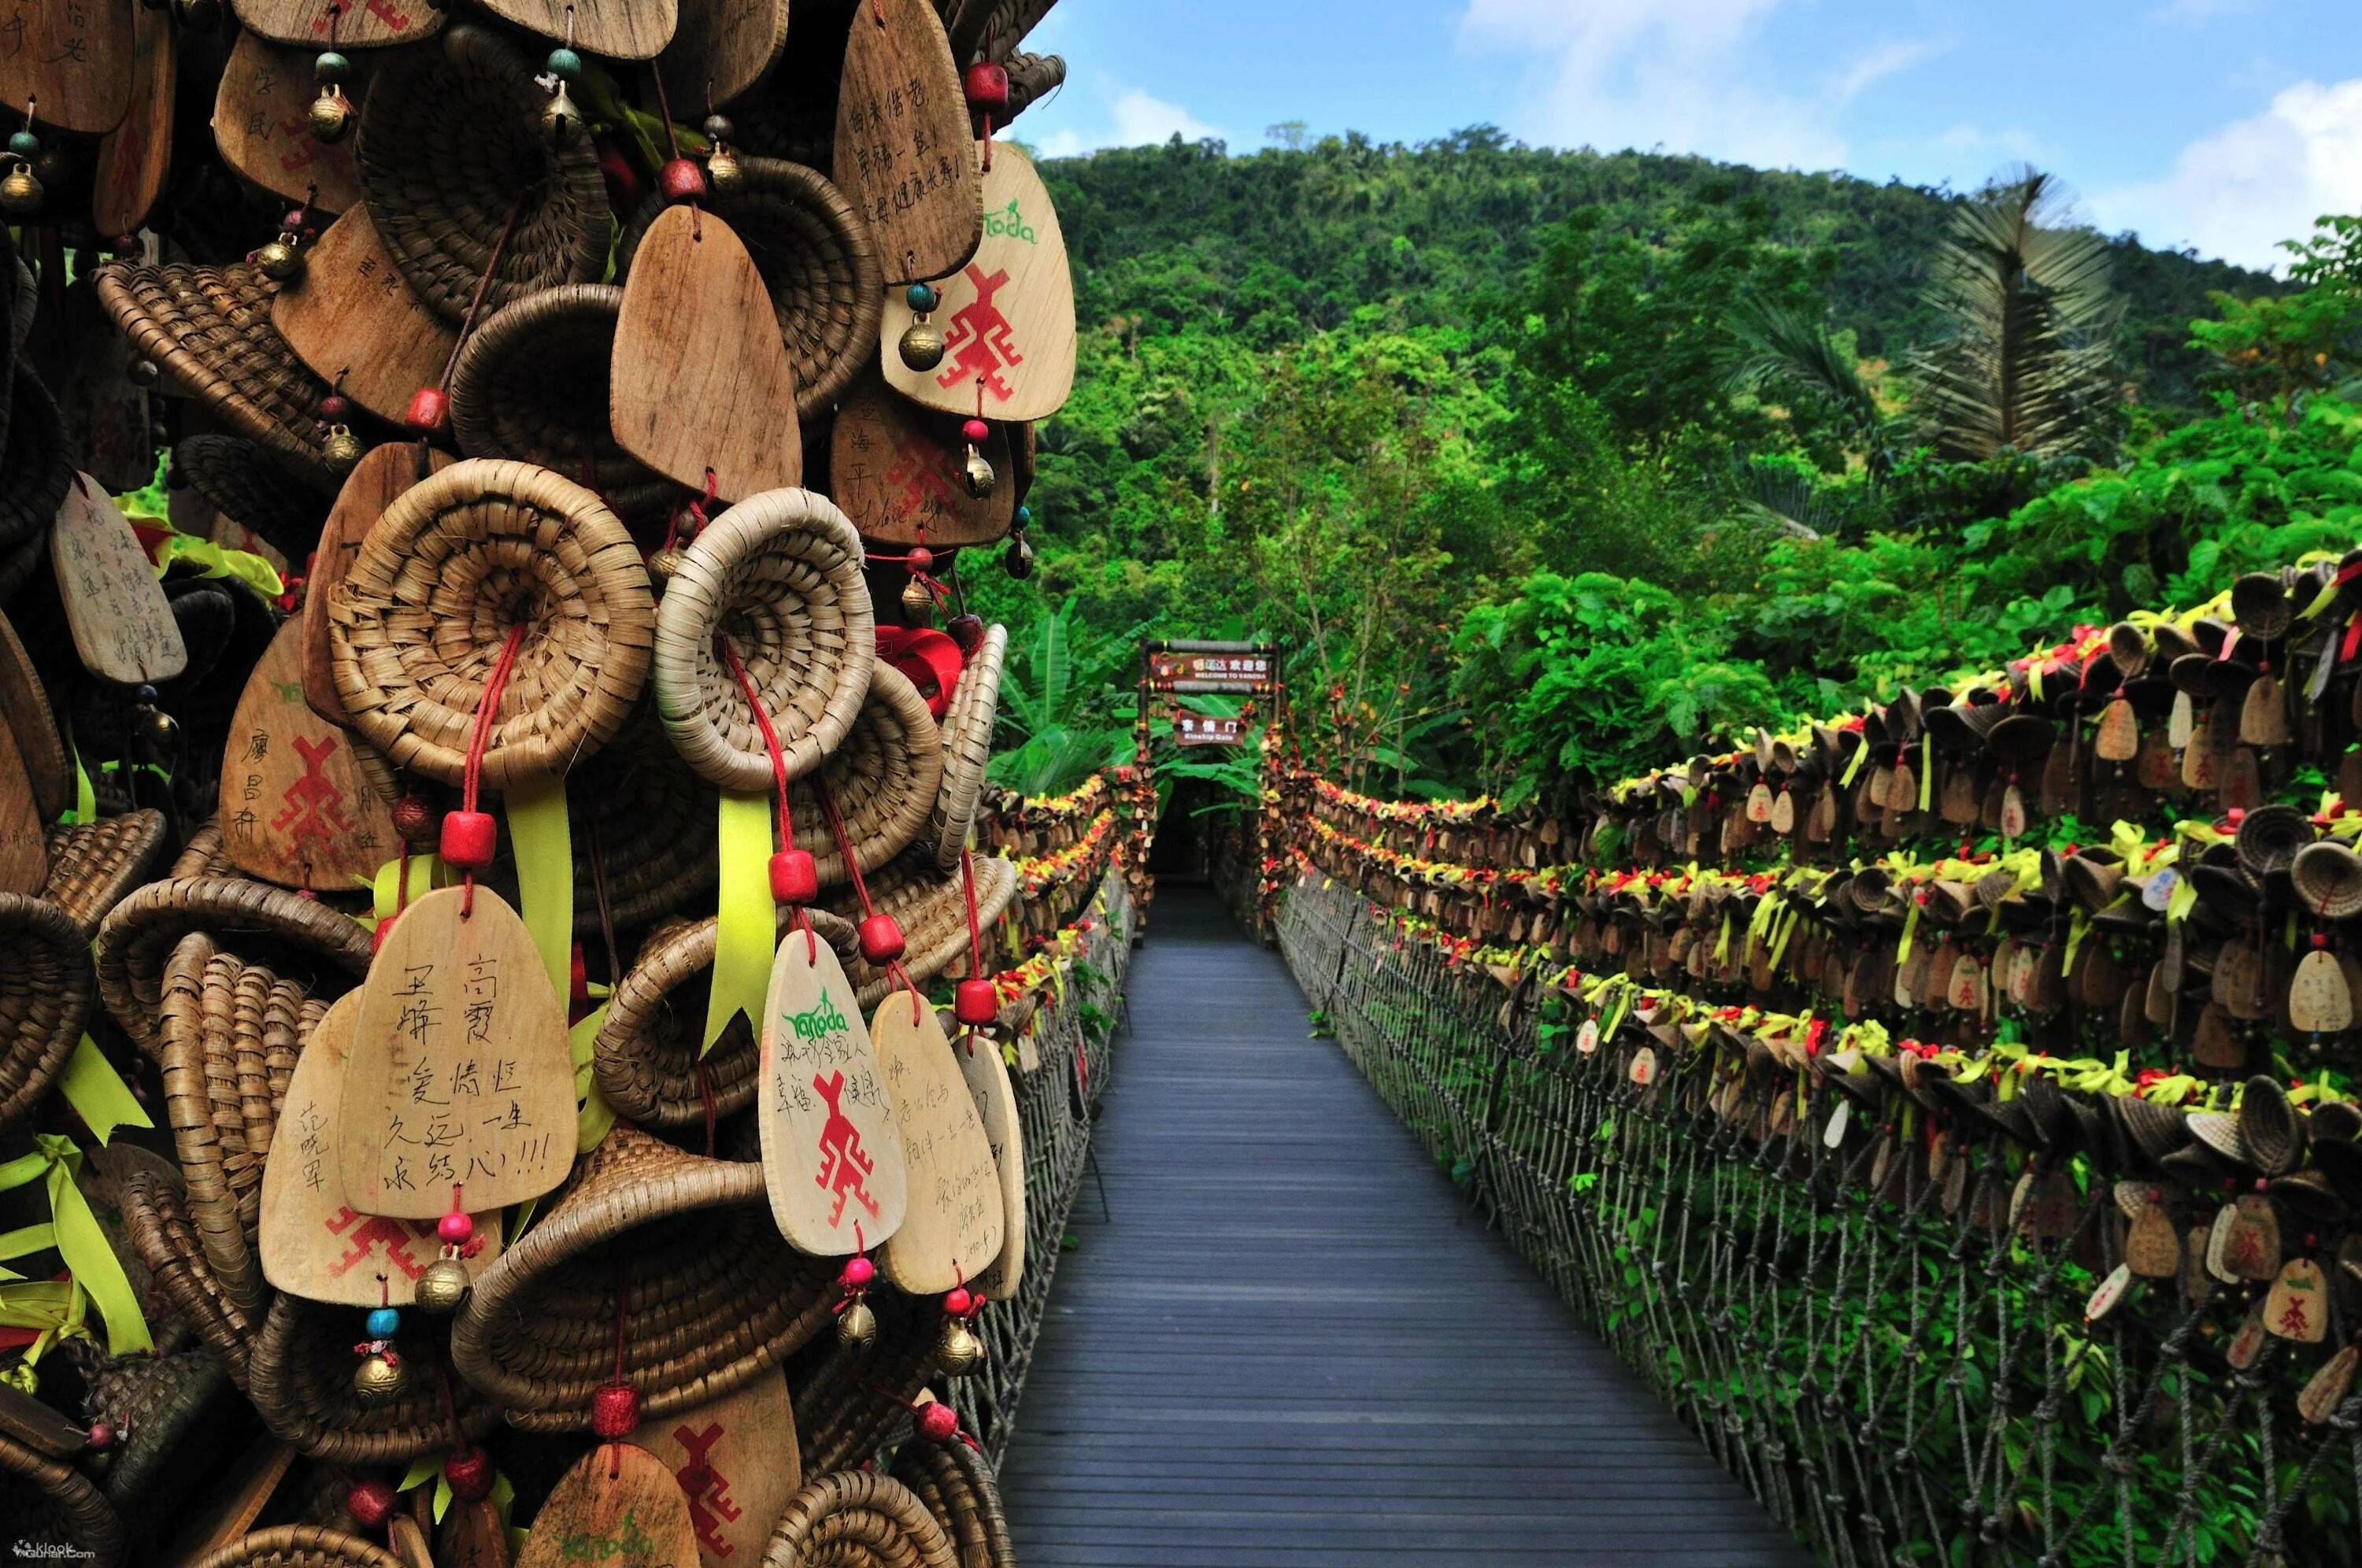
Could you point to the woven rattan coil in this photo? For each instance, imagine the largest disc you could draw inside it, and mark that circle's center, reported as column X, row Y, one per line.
column 300, row 1376
column 44, row 998
column 1031, row 78
column 298, row 1546
column 711, row 1294
column 644, row 832
column 531, row 383
column 779, row 576
column 203, row 855
column 958, row 1487
column 93, row 865
column 933, row 913
column 452, row 153
column 208, row 330
column 857, row 1519
column 819, row 264
column 54, row 1510
column 967, row 745
column 421, row 619
column 237, row 478
column 301, row 937
column 883, row 781
column 167, row 1245
column 645, row 1054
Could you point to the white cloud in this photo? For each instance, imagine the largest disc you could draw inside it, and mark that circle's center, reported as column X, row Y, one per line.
column 1878, row 62
column 2240, row 190
column 1105, row 113
column 1142, row 118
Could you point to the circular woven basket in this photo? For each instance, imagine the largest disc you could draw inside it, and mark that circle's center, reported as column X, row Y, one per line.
column 203, row 855
column 644, row 830
column 857, row 1519
column 298, row 1546
column 818, row 262
column 47, row 1502
column 932, row 914
column 967, row 746
column 299, row 936
column 236, row 478
column 208, row 330
column 531, row 383
column 883, row 779
column 167, row 1245
column 301, row 1377
column 779, row 575
column 93, row 865
column 44, row 999
column 957, row 1485
column 420, row 620
column 711, row 1294
column 451, row 151
column 645, row 1055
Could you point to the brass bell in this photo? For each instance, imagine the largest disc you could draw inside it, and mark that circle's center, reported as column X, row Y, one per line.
column 20, row 194
column 856, row 1326
column 341, row 449
column 331, row 115
column 979, row 475
column 443, row 1286
column 1017, row 560
column 958, row 1352
column 665, row 565
column 922, row 346
column 378, row 1381
column 280, row 260
column 561, row 121
column 918, row 605
column 722, row 170
column 160, row 729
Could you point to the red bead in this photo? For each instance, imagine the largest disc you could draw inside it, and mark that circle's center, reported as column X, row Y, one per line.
column 616, row 1412
column 857, row 1273
column 987, row 85
column 430, row 410
column 794, row 879
column 377, row 938
column 101, row 1435
column 468, row 840
column 967, row 631
column 959, row 1302
column 454, row 1228
column 975, row 1003
column 2236, row 815
column 937, row 1422
column 975, row 432
column 920, row 561
column 371, row 1503
column 471, row 1475
column 881, row 940
column 410, row 818
column 333, row 408
column 680, row 181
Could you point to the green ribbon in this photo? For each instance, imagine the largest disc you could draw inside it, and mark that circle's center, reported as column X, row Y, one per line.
column 97, row 1094
column 219, row 560
column 544, row 861
column 74, row 1232
column 745, row 935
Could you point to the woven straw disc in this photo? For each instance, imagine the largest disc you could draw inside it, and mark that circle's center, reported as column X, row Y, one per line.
column 298, row 1546
column 44, row 999
column 967, row 745
column 420, row 619
column 47, row 1502
column 451, row 148
column 957, row 1484
column 883, row 779
column 779, row 575
column 818, row 263
column 301, row 1377
column 857, row 1519
column 643, row 830
column 531, row 383
column 932, row 914
column 93, row 865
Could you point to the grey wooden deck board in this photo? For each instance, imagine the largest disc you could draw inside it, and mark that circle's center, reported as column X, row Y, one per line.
column 1294, row 1345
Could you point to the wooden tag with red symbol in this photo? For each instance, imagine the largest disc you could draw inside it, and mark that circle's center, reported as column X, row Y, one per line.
column 737, row 1460
column 954, row 1227
column 617, row 1507
column 323, row 23
column 134, row 157
column 2297, row 1307
column 261, row 123
column 295, row 808
column 898, row 471
column 832, row 1156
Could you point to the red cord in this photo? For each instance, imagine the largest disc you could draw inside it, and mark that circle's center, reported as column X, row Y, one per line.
column 895, row 973
column 469, row 778
column 975, row 928
column 778, row 777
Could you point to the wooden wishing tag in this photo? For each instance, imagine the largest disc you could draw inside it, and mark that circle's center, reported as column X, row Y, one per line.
column 832, row 1156
column 904, row 153
column 261, row 125
column 2247, row 1346
column 315, row 22
column 472, row 1536
column 2240, row 782
column 1967, row 991
column 1759, row 803
column 26, row 711
column 1783, row 813
column 2319, row 1000
column 1586, row 1037
column 619, row 30
column 2251, row 1251
column 987, row 1073
column 295, row 808
column 381, row 475
column 2012, row 811
column 2118, row 739
column 459, row 1075
column 75, row 59
column 2238, row 982
column 954, row 1227
column 2214, row 1043
column 721, row 47
column 737, row 1460
column 1007, row 316
column 134, row 157
column 1833, row 1132
column 2182, row 723
column 314, row 1243
column 353, row 318
column 2325, row 1389
column 2263, row 713
column 2152, row 1247
column 700, row 379
column 1643, row 1070
column 2109, row 1295
column 897, row 471
column 617, row 1507
column 2195, row 1265
column 2298, row 1306
column 1824, row 821
column 122, row 623
column 2156, row 768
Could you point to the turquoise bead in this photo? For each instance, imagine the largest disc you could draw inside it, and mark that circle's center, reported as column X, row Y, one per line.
column 565, row 64
column 384, row 1322
column 24, row 143
column 924, row 298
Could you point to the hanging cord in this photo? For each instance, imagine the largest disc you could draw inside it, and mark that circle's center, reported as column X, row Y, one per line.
column 471, row 778
column 975, row 933
column 672, row 146
column 694, row 510
column 780, row 781
column 623, row 1338
column 894, row 970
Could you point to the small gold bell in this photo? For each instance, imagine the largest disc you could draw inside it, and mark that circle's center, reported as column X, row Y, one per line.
column 340, row 449
column 160, row 729
column 957, row 1350
column 918, row 605
column 856, row 1326
column 561, row 121
column 280, row 260
column 20, row 194
column 377, row 1382
column 979, row 475
column 331, row 115
column 722, row 170
column 665, row 565
column 922, row 346
column 443, row 1286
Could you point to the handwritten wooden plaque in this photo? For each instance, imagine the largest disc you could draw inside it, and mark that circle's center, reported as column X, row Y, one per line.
column 261, row 124
column 833, row 1158
column 700, row 378
column 619, row 30
column 314, row 1243
column 981, row 1065
column 904, row 153
column 295, row 807
column 352, row 317
column 26, row 710
column 134, row 157
column 122, row 623
column 459, row 1075
column 1007, row 316
column 737, row 1460
column 73, row 56
column 721, row 47
column 954, row 1227
column 618, row 1506
column 317, row 24
column 898, row 470
column 381, row 475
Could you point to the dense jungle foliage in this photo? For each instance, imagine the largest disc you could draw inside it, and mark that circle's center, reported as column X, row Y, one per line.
column 1549, row 467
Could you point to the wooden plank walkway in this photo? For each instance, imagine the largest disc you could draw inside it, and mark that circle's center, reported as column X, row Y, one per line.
column 1293, row 1344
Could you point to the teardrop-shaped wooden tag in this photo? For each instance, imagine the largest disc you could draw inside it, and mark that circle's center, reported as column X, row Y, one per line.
column 700, row 379
column 2098, row 978
column 307, row 22
column 459, row 1075
column 1643, row 1070
column 1958, row 803
column 1759, row 803
column 1825, row 816
column 2046, row 985
column 1783, row 813
column 2247, row 1344
column 954, row 1227
column 2238, row 980
column 295, row 808
column 2119, row 736
column 122, row 623
column 1910, row 977
column 2298, row 1306
column 2157, row 768
column 2012, row 811
column 2326, row 1389
column 894, row 469
column 617, row 1507
column 2111, row 1291
column 352, row 318
column 832, row 1156
column 2202, row 760
column 2214, row 1043
column 2239, row 784
column 737, row 1461
column 1840, row 1117
column 2319, row 1001
column 2157, row 1002
column 381, row 475
column 2059, row 781
column 2182, row 723
column 24, row 848
column 314, row 1244
column 2252, row 1252
column 722, row 48
column 134, row 157
column 2263, row 713
column 25, row 708
column 619, row 30
column 986, row 1073
column 261, row 125
column 1967, row 991
column 2152, row 1246
column 904, row 153
column 75, row 59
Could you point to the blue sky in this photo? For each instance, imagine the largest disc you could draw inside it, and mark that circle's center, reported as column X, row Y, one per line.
column 2222, row 125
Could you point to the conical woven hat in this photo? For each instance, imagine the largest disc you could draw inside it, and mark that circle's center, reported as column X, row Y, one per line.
column 44, row 999
column 642, row 831
column 2328, row 878
column 299, row 1546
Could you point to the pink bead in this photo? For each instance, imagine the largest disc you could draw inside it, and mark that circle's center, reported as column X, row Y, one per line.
column 919, row 561
column 101, row 1435
column 976, row 432
column 857, row 1273
column 680, row 181
column 454, row 1228
column 616, row 1412
column 959, row 1302
column 937, row 1422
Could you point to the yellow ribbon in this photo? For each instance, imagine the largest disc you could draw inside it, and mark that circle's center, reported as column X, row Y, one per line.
column 98, row 1095
column 74, row 1232
column 743, row 943
column 218, row 560
column 545, row 862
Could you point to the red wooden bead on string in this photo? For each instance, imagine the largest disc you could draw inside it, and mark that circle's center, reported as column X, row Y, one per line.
column 377, row 937
column 795, row 879
column 468, row 838
column 987, row 86
column 470, row 1475
column 975, row 432
column 919, row 561
column 616, row 1412
column 975, row 1002
column 430, row 410
column 412, row 820
column 881, row 939
column 680, row 180
column 858, row 1272
column 937, row 1422
column 961, row 1302
column 455, row 1228
column 371, row 1503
